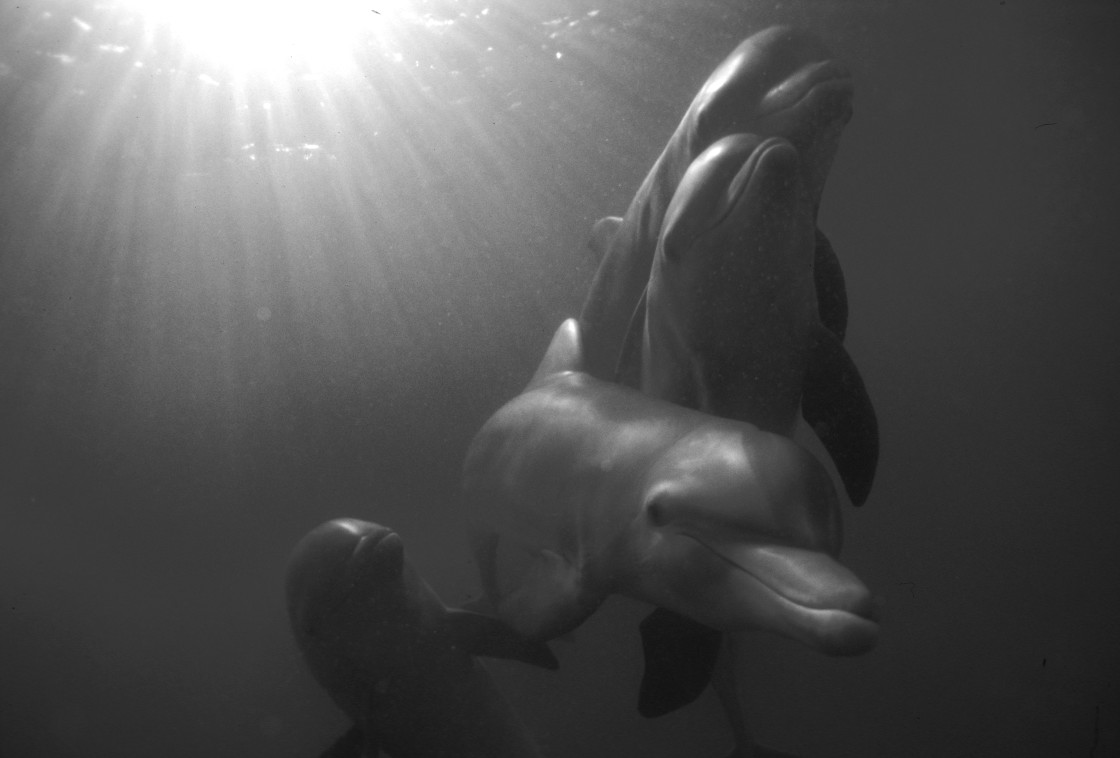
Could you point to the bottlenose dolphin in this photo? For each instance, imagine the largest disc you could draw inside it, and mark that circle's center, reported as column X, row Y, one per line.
column 731, row 304
column 580, row 488
column 732, row 329
column 393, row 657
column 779, row 82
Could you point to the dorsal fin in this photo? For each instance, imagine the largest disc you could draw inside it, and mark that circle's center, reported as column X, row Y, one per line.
column 565, row 353
column 603, row 233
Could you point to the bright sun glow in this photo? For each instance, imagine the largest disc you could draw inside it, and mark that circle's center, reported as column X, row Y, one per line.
column 270, row 35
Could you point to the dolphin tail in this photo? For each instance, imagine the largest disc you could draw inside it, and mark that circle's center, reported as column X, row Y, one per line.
column 565, row 353
column 836, row 404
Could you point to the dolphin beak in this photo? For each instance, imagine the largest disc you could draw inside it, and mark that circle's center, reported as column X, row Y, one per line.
column 803, row 594
column 733, row 177
column 380, row 552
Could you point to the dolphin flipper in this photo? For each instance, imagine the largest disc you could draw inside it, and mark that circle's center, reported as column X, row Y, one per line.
column 680, row 655
column 546, row 599
column 832, row 295
column 836, row 404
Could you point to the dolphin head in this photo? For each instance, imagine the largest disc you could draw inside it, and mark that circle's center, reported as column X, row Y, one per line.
column 780, row 82
column 349, row 592
column 731, row 193
column 731, row 297
column 741, row 529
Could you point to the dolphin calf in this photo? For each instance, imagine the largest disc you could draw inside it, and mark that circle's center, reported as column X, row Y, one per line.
column 580, row 488
column 394, row 658
column 779, row 82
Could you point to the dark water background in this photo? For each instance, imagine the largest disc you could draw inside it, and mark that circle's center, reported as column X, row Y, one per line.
column 231, row 311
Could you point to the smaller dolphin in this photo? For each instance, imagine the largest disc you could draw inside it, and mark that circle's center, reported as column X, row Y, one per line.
column 591, row 488
column 394, row 658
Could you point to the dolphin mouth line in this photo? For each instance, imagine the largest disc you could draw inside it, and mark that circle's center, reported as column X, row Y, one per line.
column 800, row 86
column 741, row 182
column 369, row 541
column 776, row 591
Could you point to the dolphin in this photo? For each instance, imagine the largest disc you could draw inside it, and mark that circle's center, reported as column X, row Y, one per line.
column 780, row 82
column 580, row 488
column 731, row 303
column 732, row 328
column 393, row 657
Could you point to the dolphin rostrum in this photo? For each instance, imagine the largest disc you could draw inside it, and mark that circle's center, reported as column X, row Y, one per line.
column 394, row 658
column 580, row 488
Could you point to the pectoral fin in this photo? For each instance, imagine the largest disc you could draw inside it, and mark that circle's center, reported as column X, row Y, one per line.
column 832, row 295
column 836, row 404
column 680, row 655
column 490, row 637
column 540, row 594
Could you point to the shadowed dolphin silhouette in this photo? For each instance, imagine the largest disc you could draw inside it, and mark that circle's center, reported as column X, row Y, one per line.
column 394, row 658
column 731, row 328
column 580, row 488
column 779, row 82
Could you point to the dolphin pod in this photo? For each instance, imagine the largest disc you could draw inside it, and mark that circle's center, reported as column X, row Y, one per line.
column 779, row 82
column 784, row 83
column 394, row 658
column 580, row 488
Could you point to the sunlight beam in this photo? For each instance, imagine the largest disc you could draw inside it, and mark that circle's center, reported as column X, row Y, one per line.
column 270, row 36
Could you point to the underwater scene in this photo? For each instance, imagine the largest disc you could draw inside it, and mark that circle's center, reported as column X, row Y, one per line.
column 559, row 379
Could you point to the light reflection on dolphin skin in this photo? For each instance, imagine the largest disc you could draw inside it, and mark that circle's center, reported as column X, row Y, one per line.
column 394, row 658
column 592, row 489
column 779, row 82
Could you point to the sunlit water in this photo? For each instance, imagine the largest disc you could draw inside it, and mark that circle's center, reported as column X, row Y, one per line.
column 264, row 264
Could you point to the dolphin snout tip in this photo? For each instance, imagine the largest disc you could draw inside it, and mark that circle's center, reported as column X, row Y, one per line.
column 847, row 634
